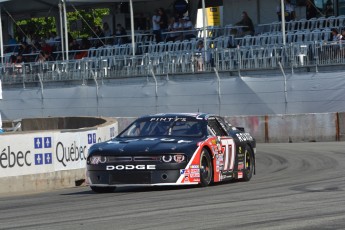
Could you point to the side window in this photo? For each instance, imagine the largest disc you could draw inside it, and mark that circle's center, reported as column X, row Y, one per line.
column 216, row 127
column 226, row 126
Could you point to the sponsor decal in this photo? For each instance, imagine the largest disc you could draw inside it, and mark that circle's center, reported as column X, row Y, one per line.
column 194, row 166
column 184, row 171
column 240, row 175
column 194, row 171
column 194, row 175
column 168, row 119
column 244, row 137
column 240, row 166
column 130, row 167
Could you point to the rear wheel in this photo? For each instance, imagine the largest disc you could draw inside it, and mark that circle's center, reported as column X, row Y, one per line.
column 206, row 168
column 249, row 164
column 102, row 189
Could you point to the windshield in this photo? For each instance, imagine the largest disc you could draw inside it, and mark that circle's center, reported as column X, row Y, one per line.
column 149, row 127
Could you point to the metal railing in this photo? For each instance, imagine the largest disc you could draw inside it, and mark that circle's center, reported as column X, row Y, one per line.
column 183, row 61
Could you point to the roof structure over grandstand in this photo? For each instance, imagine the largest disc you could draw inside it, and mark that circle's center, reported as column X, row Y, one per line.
column 17, row 7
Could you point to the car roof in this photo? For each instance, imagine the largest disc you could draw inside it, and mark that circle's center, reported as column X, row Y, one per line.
column 203, row 116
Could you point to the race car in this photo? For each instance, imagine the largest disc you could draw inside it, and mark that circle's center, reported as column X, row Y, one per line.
column 172, row 149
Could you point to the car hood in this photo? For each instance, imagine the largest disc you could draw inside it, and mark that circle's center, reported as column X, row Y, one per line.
column 139, row 146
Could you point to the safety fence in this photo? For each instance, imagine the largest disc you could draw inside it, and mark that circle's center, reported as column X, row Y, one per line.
column 179, row 61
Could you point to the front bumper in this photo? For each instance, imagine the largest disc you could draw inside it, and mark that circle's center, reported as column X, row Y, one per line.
column 157, row 177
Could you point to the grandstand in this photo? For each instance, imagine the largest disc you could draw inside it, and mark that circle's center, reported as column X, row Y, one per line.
column 308, row 49
column 307, row 45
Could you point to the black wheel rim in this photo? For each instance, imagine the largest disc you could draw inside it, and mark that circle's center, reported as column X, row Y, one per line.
column 206, row 168
column 248, row 165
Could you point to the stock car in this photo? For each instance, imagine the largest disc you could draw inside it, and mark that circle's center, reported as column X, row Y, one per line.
column 172, row 149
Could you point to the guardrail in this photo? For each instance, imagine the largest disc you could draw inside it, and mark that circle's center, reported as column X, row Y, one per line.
column 181, row 61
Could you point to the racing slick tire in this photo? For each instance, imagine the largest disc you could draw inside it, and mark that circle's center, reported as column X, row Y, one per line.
column 249, row 164
column 206, row 168
column 102, row 189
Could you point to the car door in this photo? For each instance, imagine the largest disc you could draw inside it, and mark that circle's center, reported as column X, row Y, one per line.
column 227, row 143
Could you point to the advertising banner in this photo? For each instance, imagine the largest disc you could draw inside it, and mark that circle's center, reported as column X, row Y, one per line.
column 44, row 152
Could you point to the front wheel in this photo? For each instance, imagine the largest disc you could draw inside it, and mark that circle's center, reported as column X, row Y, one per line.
column 102, row 189
column 249, row 164
column 206, row 168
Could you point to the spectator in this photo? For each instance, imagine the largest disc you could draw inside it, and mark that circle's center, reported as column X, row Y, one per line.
column 188, row 28
column 45, row 47
column 289, row 11
column 172, row 27
column 84, row 46
column 247, row 23
column 120, row 35
column 106, row 30
column 336, row 36
column 203, row 57
column 98, row 34
column 48, row 56
column 23, row 49
column 41, row 58
column 343, row 34
column 156, row 26
column 311, row 10
column 73, row 44
column 163, row 21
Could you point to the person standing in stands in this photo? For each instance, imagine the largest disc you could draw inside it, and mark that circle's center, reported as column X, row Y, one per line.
column 156, row 26
column 289, row 11
column 163, row 22
column 247, row 23
column 106, row 30
column 120, row 35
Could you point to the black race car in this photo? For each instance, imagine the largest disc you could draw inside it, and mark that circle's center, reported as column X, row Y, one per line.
column 172, row 149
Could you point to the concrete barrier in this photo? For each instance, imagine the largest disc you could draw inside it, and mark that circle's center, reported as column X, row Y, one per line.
column 286, row 128
column 255, row 125
column 294, row 127
column 49, row 153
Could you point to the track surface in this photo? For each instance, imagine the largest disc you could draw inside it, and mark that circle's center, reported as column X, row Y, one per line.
column 297, row 186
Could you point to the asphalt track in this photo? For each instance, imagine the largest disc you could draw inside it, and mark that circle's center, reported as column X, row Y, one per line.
column 297, row 186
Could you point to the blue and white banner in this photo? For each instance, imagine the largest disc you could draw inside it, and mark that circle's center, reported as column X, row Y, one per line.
column 49, row 151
